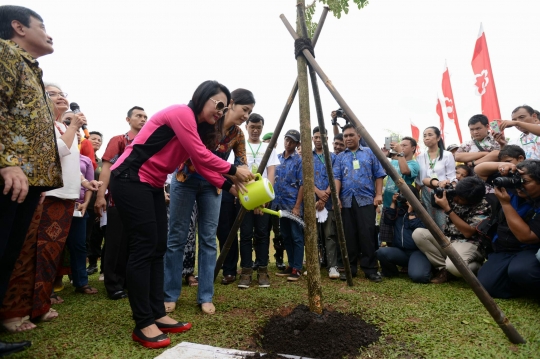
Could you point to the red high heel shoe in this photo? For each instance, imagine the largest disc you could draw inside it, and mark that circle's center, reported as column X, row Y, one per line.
column 161, row 341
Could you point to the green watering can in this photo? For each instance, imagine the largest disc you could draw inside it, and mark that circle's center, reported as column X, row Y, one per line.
column 259, row 193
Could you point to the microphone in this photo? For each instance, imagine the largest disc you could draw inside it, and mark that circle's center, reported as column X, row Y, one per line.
column 74, row 106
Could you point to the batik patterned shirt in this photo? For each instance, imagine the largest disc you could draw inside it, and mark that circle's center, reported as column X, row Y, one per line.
column 488, row 144
column 321, row 177
column 357, row 183
column 288, row 179
column 472, row 215
column 530, row 144
column 27, row 137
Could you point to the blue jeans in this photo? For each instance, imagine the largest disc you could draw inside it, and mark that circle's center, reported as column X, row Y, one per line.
column 293, row 239
column 76, row 243
column 183, row 197
column 419, row 267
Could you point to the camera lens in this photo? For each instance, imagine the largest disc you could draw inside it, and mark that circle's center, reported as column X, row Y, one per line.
column 508, row 182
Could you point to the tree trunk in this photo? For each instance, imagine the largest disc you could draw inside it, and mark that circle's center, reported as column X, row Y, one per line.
column 310, row 230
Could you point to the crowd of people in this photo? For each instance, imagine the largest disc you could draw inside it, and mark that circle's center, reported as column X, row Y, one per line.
column 163, row 191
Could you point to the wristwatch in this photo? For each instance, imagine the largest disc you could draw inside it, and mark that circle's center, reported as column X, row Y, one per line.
column 401, row 154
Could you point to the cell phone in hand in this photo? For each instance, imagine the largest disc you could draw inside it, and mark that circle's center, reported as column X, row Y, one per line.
column 387, row 142
column 495, row 126
column 77, row 213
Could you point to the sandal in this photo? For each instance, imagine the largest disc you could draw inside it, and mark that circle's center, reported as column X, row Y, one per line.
column 191, row 280
column 55, row 299
column 14, row 326
column 86, row 290
column 208, row 308
column 50, row 315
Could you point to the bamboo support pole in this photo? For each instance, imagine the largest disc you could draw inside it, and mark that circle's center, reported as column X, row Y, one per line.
column 236, row 225
column 328, row 165
column 310, row 229
column 430, row 224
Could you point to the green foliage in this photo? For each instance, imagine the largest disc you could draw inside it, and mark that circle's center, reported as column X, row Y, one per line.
column 337, row 7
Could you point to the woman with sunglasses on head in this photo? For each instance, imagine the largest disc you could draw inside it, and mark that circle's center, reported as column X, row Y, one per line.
column 188, row 187
column 167, row 140
column 31, row 283
column 437, row 169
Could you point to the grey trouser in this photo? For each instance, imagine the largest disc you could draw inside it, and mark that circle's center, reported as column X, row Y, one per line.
column 330, row 239
column 437, row 257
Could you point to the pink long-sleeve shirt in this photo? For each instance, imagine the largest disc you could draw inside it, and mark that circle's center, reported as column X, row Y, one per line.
column 167, row 140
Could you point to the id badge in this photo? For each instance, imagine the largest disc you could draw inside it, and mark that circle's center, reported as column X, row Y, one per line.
column 434, row 175
column 254, row 168
column 356, row 164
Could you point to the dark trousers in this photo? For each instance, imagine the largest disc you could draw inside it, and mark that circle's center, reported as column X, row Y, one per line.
column 359, row 226
column 419, row 267
column 227, row 215
column 144, row 216
column 114, row 261
column 511, row 274
column 254, row 234
column 76, row 243
column 15, row 219
column 94, row 238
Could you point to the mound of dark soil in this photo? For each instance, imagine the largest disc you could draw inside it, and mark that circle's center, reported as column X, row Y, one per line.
column 328, row 336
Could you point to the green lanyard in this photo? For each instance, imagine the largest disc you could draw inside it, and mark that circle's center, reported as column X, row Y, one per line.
column 321, row 157
column 432, row 163
column 528, row 143
column 254, row 153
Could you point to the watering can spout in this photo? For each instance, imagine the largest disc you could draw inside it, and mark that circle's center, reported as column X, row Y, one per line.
column 269, row 211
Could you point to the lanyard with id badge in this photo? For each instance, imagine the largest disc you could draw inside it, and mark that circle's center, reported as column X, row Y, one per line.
column 432, row 164
column 355, row 162
column 254, row 166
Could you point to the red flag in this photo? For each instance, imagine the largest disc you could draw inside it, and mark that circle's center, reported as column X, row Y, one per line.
column 449, row 101
column 441, row 118
column 485, row 85
column 416, row 135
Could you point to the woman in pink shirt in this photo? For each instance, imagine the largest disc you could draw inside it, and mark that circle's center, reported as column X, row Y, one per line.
column 168, row 139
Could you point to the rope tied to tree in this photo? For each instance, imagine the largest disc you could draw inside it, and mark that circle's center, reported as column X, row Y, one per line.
column 301, row 44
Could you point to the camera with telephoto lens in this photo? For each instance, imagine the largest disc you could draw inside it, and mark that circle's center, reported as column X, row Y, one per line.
column 339, row 113
column 401, row 198
column 513, row 180
column 449, row 189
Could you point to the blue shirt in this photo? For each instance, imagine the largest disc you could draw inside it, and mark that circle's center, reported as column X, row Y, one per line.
column 359, row 183
column 391, row 187
column 287, row 182
column 321, row 177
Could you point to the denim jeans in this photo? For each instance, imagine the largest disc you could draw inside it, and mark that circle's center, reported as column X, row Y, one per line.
column 254, row 235
column 183, row 196
column 293, row 238
column 419, row 267
column 76, row 243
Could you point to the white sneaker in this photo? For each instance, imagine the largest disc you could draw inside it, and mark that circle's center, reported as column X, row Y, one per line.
column 101, row 277
column 333, row 273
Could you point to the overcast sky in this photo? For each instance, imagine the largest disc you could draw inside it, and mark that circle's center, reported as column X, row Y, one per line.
column 386, row 60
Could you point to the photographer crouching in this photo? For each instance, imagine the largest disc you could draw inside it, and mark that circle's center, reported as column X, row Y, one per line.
column 403, row 251
column 465, row 207
column 512, row 269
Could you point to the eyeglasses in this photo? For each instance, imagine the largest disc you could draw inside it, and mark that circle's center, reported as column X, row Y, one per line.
column 54, row 94
column 220, row 106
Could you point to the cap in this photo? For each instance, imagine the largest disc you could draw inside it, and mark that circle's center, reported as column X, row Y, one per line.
column 268, row 136
column 294, row 135
column 452, row 147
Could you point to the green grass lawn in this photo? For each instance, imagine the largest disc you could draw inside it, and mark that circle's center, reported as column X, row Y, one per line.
column 431, row 321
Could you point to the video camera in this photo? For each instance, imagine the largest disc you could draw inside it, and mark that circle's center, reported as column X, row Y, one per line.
column 450, row 194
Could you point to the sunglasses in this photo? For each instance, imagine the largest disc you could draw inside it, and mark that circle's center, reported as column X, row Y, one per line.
column 220, row 106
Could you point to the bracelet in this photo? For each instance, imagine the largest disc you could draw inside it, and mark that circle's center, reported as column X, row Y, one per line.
column 449, row 211
column 84, row 180
column 431, row 181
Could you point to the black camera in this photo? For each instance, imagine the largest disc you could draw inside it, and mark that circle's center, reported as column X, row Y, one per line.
column 450, row 194
column 339, row 113
column 401, row 198
column 511, row 181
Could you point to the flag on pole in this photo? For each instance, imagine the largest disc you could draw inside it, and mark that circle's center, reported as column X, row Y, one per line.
column 449, row 101
column 441, row 118
column 485, row 85
column 415, row 131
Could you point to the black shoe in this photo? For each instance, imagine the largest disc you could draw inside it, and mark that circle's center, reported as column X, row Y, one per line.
column 15, row 347
column 343, row 274
column 118, row 295
column 91, row 270
column 374, row 277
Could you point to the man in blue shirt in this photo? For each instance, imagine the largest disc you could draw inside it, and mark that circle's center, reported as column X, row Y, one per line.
column 326, row 229
column 289, row 195
column 359, row 175
column 408, row 168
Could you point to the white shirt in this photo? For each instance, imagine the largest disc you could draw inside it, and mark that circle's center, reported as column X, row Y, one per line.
column 259, row 150
column 71, row 168
column 444, row 169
